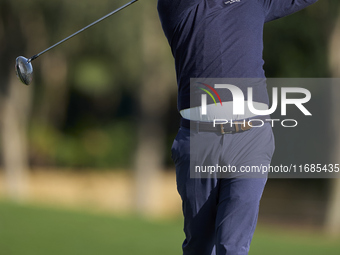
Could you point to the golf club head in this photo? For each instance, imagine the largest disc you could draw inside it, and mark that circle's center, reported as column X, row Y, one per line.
column 24, row 70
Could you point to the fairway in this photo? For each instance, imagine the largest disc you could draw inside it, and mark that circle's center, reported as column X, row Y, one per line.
column 27, row 230
column 33, row 230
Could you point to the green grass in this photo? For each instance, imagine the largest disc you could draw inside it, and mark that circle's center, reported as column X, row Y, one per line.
column 31, row 230
column 270, row 241
column 34, row 230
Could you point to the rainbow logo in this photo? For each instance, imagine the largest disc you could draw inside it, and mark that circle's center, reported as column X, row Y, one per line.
column 209, row 93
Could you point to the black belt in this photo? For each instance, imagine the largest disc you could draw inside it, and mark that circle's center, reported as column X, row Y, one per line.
column 234, row 126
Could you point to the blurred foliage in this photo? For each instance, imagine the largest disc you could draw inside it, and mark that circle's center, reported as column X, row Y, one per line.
column 103, row 70
column 99, row 147
column 87, row 73
column 92, row 122
column 297, row 45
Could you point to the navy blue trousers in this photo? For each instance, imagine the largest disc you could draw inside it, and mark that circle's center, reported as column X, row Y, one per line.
column 220, row 214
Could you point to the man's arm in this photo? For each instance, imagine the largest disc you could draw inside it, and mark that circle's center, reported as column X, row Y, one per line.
column 275, row 9
column 171, row 12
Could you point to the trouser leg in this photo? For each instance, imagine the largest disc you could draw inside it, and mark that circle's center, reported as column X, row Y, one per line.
column 239, row 198
column 237, row 213
column 199, row 199
column 200, row 215
column 220, row 213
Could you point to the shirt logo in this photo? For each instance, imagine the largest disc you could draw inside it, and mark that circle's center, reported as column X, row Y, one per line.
column 232, row 1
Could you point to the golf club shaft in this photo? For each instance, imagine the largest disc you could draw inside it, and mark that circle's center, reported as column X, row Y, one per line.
column 81, row 30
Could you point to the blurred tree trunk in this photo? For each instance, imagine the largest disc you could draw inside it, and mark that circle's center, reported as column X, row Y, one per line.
column 156, row 85
column 13, row 101
column 13, row 134
column 333, row 211
column 20, row 34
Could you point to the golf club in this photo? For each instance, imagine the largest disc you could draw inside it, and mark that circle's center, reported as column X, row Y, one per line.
column 23, row 66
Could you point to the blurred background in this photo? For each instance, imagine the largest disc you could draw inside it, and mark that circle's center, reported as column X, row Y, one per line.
column 85, row 161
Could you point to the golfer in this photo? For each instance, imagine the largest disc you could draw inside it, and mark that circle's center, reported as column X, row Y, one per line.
column 220, row 39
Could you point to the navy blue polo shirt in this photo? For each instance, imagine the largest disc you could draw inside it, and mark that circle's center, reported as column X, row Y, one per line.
column 220, row 39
